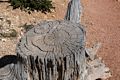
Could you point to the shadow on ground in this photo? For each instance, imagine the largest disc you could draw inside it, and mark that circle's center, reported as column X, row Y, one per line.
column 8, row 59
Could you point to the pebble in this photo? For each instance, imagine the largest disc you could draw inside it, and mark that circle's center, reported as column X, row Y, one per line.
column 3, row 40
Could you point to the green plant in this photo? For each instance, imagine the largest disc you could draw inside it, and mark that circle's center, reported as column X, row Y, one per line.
column 31, row 5
column 12, row 33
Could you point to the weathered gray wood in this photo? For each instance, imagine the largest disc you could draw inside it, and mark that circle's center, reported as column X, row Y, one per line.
column 74, row 11
column 52, row 51
column 96, row 68
column 7, row 65
column 55, row 50
column 7, row 73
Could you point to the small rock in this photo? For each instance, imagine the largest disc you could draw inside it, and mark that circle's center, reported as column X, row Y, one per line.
column 53, row 16
column 52, row 10
column 3, row 40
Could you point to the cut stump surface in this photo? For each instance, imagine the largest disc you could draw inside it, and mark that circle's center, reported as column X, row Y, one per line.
column 53, row 50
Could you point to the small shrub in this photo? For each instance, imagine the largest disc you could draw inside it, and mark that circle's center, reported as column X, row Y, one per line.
column 12, row 33
column 27, row 27
column 31, row 5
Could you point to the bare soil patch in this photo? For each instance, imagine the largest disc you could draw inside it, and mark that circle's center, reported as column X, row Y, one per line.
column 102, row 20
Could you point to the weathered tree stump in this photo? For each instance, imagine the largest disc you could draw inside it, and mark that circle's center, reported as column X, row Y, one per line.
column 53, row 50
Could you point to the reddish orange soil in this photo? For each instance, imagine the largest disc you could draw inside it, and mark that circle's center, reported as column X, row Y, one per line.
column 102, row 21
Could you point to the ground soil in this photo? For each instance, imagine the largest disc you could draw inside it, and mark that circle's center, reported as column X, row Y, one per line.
column 101, row 19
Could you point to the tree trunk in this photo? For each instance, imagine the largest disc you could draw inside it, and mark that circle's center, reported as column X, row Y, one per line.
column 52, row 51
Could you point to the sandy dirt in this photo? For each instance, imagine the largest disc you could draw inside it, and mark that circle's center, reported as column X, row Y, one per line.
column 102, row 21
column 100, row 17
column 19, row 18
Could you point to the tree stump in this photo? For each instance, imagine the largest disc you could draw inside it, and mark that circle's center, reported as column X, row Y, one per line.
column 53, row 50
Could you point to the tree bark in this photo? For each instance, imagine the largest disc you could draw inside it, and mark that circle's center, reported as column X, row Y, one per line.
column 74, row 11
